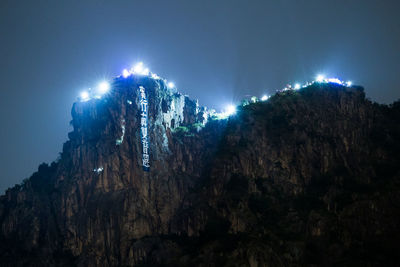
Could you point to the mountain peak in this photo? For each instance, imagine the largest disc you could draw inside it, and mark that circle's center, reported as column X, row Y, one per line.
column 150, row 177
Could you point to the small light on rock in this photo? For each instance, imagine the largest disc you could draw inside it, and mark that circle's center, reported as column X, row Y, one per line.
column 125, row 73
column 171, row 85
column 320, row 78
column 98, row 170
column 231, row 109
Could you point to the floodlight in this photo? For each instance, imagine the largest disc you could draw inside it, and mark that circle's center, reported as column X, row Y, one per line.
column 320, row 78
column 104, row 87
column 125, row 73
column 138, row 68
column 231, row 109
column 171, row 85
column 85, row 96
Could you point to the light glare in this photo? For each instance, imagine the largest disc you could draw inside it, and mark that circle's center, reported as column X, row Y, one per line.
column 320, row 78
column 85, row 95
column 171, row 85
column 334, row 80
column 104, row 87
column 264, row 98
column 349, row 83
column 138, row 68
column 297, row 86
column 125, row 73
column 231, row 109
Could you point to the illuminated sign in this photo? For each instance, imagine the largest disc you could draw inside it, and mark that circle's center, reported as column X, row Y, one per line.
column 144, row 135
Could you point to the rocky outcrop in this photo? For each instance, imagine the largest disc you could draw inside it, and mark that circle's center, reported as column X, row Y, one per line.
column 309, row 177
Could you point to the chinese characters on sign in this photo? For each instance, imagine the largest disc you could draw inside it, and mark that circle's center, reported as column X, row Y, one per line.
column 143, row 129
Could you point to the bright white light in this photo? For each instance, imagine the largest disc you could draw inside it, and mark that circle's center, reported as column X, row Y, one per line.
column 335, row 80
column 104, row 87
column 154, row 76
column 125, row 73
column 146, row 71
column 98, row 170
column 297, row 86
column 138, row 68
column 171, row 85
column 85, row 96
column 231, row 109
column 264, row 98
column 320, row 78
column 349, row 83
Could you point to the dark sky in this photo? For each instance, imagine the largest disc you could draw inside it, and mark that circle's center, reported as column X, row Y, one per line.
column 215, row 51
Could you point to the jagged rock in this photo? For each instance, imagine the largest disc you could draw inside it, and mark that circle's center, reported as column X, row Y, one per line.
column 309, row 177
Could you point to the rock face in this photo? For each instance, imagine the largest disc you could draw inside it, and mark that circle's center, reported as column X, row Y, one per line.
column 309, row 177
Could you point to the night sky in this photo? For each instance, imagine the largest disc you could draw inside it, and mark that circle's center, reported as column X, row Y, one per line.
column 214, row 51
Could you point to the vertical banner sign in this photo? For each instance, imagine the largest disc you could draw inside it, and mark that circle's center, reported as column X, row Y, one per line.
column 143, row 129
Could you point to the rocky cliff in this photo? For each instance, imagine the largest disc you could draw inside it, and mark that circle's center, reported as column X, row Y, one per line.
column 309, row 177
